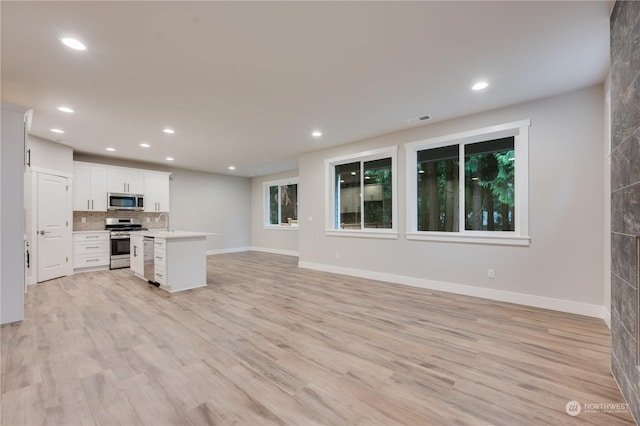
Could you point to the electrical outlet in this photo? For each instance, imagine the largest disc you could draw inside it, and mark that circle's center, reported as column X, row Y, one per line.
column 83, row 220
column 491, row 273
column 337, row 255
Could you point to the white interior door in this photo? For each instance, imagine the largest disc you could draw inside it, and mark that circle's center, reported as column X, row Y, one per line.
column 54, row 232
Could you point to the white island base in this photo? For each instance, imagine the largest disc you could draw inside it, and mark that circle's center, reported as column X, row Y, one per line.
column 179, row 259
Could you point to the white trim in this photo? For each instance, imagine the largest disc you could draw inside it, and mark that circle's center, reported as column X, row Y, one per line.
column 51, row 172
column 275, row 251
column 363, row 233
column 227, row 250
column 455, row 237
column 561, row 305
column 520, row 131
column 606, row 316
column 281, row 227
column 329, row 193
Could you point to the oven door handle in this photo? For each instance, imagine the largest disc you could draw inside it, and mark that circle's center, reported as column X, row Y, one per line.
column 120, row 237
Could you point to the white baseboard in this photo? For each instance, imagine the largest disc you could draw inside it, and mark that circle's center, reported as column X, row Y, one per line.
column 227, row 250
column 606, row 316
column 275, row 251
column 485, row 293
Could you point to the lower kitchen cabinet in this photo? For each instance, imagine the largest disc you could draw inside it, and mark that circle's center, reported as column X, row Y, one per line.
column 137, row 254
column 91, row 251
column 179, row 259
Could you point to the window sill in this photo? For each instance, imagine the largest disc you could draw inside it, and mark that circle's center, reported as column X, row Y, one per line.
column 492, row 239
column 362, row 233
column 282, row 227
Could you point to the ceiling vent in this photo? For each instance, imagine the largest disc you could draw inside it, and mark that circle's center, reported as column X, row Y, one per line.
column 418, row 119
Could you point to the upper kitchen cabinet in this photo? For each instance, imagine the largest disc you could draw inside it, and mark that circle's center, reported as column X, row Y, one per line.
column 121, row 179
column 89, row 187
column 156, row 192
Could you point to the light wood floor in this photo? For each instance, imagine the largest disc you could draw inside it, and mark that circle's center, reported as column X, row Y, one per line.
column 268, row 343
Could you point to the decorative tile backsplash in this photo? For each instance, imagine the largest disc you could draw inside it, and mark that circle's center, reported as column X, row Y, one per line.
column 95, row 220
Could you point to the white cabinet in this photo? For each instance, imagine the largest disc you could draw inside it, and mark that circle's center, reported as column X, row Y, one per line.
column 156, row 192
column 12, row 155
column 160, row 261
column 137, row 254
column 91, row 251
column 89, row 187
column 122, row 179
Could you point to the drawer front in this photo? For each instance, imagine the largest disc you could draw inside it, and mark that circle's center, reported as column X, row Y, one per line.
column 93, row 236
column 160, row 277
column 91, row 248
column 159, row 256
column 90, row 261
column 160, row 243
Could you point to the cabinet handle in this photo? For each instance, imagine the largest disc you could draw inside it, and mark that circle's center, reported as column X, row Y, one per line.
column 135, row 251
column 96, row 247
column 160, row 258
column 29, row 158
column 88, row 208
column 93, row 260
column 92, row 236
column 91, row 204
column 159, row 274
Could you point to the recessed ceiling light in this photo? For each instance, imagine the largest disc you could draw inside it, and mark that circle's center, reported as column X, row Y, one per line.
column 65, row 109
column 316, row 133
column 110, row 149
column 231, row 167
column 367, row 177
column 168, row 130
column 420, row 171
column 145, row 145
column 57, row 130
column 480, row 85
column 169, row 158
column 73, row 43
column 353, row 173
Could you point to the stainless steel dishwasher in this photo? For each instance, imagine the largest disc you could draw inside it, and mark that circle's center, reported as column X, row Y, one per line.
column 149, row 268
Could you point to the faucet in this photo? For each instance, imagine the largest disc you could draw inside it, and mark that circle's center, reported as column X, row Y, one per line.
column 167, row 220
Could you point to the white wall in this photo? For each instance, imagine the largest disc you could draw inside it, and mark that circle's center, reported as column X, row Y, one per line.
column 12, row 274
column 561, row 269
column 205, row 202
column 283, row 240
column 212, row 203
column 50, row 157
column 607, row 200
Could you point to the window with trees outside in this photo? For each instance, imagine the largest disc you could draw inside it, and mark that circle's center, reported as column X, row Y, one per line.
column 281, row 203
column 470, row 186
column 362, row 198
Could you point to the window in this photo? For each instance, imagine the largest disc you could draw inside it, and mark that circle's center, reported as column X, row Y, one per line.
column 471, row 186
column 281, row 203
column 361, row 197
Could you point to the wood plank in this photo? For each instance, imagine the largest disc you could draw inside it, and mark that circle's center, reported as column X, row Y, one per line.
column 271, row 344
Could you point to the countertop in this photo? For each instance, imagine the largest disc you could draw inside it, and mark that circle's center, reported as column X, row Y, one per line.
column 90, row 232
column 171, row 234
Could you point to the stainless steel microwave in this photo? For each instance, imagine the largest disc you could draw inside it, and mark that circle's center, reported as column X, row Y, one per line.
column 122, row 201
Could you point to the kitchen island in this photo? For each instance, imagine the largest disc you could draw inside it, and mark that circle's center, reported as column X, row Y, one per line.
column 172, row 260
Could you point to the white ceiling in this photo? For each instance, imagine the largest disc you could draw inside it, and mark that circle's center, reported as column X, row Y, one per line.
column 245, row 83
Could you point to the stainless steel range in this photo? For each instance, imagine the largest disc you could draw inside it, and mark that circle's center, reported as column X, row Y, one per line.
column 120, row 229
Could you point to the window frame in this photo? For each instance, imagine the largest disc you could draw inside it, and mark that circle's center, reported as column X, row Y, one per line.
column 330, row 193
column 520, row 235
column 267, row 205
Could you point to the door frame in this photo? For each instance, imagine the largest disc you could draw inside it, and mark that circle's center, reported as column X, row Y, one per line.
column 32, row 220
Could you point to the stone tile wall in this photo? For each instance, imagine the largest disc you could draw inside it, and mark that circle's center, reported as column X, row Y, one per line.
column 95, row 221
column 625, row 198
